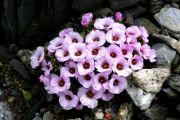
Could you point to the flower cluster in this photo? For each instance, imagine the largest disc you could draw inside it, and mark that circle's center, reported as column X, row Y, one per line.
column 100, row 61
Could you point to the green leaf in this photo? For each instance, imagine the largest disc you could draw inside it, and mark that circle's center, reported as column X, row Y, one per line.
column 27, row 95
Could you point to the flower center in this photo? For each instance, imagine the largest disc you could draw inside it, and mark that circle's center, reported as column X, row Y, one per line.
column 48, row 67
column 119, row 66
column 130, row 33
column 78, row 53
column 124, row 52
column 90, row 94
column 95, row 51
column 106, row 92
column 68, row 97
column 105, row 65
column 61, row 82
column 113, row 55
column 115, row 38
column 102, row 79
column 116, row 82
column 58, row 45
column 75, row 40
column 87, row 77
column 96, row 39
column 86, row 65
column 134, row 61
column 134, row 52
column 72, row 70
column 66, row 54
column 106, row 25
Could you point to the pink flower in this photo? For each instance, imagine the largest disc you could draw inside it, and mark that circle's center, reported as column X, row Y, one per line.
column 126, row 50
column 55, row 44
column 103, row 23
column 88, row 97
column 131, row 40
column 106, row 95
column 77, row 51
column 70, row 69
column 37, row 57
column 96, row 37
column 113, row 53
column 79, row 106
column 121, row 67
column 62, row 55
column 96, row 52
column 133, row 31
column 60, row 84
column 152, row 55
column 117, row 84
column 103, row 64
column 144, row 50
column 118, row 16
column 72, row 37
column 120, row 26
column 46, row 67
column 64, row 32
column 85, row 66
column 86, row 19
column 136, row 63
column 116, row 36
column 68, row 100
column 144, row 34
column 100, row 80
column 86, row 80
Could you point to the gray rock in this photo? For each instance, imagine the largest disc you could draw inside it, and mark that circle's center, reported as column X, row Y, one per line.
column 177, row 69
column 136, row 11
column 151, row 28
column 75, row 119
column 140, row 98
column 151, row 80
column 24, row 56
column 155, row 6
column 169, row 18
column 125, row 112
column 103, row 12
column 174, row 82
column 87, row 5
column 157, row 112
column 120, row 4
column 165, row 55
column 5, row 112
column 37, row 118
column 173, row 43
column 169, row 93
column 48, row 116
column 88, row 117
column 171, row 119
column 21, row 69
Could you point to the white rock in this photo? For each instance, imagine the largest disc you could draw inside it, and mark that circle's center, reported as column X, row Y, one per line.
column 140, row 98
column 99, row 114
column 151, row 80
column 5, row 112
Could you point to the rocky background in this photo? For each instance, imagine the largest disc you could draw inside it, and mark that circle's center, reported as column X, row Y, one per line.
column 152, row 94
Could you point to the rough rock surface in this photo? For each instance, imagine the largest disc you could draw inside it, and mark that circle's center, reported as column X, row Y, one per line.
column 169, row 18
column 175, row 44
column 5, row 112
column 174, row 82
column 151, row 80
column 141, row 98
column 165, row 55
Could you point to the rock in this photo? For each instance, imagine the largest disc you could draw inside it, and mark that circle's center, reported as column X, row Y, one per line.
column 176, row 61
column 171, row 119
column 129, row 20
column 57, row 108
column 86, row 5
column 157, row 112
column 125, row 112
column 178, row 108
column 88, row 117
column 151, row 28
column 5, row 55
column 111, row 108
column 120, row 4
column 21, row 69
column 48, row 116
column 49, row 97
column 75, row 119
column 5, row 112
column 103, row 12
column 140, row 98
column 10, row 99
column 155, row 5
column 37, row 118
column 169, row 18
column 24, row 56
column 173, row 43
column 165, row 55
column 174, row 82
column 169, row 94
column 177, row 69
column 99, row 114
column 136, row 11
column 151, row 80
